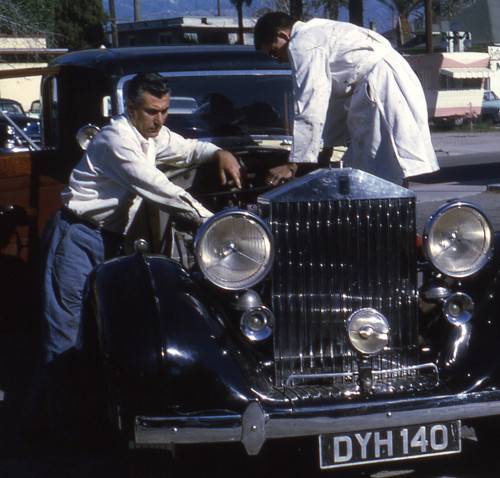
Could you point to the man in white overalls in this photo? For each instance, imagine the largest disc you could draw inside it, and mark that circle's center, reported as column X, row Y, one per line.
column 351, row 88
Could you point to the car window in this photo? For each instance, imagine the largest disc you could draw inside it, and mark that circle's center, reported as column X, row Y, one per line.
column 11, row 108
column 230, row 104
column 490, row 96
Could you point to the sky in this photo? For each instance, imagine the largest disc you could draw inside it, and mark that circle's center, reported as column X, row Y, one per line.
column 151, row 9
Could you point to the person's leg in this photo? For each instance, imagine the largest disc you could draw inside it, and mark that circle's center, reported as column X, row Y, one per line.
column 387, row 122
column 72, row 251
column 371, row 148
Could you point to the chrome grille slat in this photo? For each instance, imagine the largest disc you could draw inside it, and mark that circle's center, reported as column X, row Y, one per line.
column 333, row 258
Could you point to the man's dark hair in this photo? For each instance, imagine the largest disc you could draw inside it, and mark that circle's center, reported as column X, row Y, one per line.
column 153, row 83
column 267, row 27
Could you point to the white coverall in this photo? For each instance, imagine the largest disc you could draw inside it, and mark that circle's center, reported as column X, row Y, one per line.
column 352, row 88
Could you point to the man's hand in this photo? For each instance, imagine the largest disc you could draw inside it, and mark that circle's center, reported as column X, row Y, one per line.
column 281, row 173
column 228, row 164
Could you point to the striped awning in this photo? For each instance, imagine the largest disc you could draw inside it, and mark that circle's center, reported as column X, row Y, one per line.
column 476, row 72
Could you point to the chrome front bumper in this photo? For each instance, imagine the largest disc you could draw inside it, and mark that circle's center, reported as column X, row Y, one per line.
column 254, row 426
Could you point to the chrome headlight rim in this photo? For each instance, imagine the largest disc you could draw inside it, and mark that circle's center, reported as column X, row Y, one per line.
column 209, row 225
column 487, row 252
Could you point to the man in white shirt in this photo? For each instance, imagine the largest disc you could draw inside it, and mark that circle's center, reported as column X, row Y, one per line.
column 117, row 171
column 350, row 88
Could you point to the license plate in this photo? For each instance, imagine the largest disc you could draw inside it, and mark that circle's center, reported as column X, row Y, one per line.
column 372, row 446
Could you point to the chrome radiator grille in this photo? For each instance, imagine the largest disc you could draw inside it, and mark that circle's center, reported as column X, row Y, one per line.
column 332, row 259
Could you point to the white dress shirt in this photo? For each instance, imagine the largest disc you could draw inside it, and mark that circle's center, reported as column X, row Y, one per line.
column 118, row 170
column 352, row 88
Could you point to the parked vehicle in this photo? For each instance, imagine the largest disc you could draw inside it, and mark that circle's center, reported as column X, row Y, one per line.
column 313, row 309
column 34, row 111
column 18, row 132
column 490, row 111
column 453, row 84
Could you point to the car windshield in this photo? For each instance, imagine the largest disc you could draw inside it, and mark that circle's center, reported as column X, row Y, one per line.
column 222, row 104
column 11, row 108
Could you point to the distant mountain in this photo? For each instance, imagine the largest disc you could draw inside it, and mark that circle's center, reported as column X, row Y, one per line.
column 375, row 11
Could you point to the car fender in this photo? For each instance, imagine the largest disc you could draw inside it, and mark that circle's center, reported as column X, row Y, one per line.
column 469, row 357
column 162, row 345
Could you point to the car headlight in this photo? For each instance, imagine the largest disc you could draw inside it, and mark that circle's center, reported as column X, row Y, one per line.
column 458, row 239
column 234, row 250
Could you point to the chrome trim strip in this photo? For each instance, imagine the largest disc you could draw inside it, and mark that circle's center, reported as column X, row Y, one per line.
column 254, row 427
column 291, row 379
column 411, row 368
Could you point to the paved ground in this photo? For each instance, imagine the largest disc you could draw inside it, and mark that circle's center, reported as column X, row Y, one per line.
column 460, row 143
column 470, row 170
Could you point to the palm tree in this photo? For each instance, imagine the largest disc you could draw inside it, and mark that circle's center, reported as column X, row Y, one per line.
column 239, row 8
column 403, row 9
column 310, row 8
column 296, row 9
column 356, row 12
column 329, row 8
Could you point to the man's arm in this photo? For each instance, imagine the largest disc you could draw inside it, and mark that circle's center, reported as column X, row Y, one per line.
column 312, row 89
column 177, row 150
column 229, row 165
column 280, row 173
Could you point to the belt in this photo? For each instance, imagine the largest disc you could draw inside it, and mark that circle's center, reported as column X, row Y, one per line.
column 72, row 218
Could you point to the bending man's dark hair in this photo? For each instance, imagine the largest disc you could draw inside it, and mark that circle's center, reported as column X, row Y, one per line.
column 267, row 27
column 153, row 83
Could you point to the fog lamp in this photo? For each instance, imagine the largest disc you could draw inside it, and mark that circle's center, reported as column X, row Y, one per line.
column 458, row 239
column 257, row 323
column 368, row 331
column 458, row 308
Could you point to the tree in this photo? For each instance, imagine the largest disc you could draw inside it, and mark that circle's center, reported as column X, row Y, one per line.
column 403, row 9
column 296, row 9
column 239, row 8
column 356, row 12
column 26, row 17
column 310, row 8
column 79, row 25
column 328, row 8
column 448, row 8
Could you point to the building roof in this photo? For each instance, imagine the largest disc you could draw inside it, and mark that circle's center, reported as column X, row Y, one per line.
column 186, row 22
column 474, row 72
column 26, row 46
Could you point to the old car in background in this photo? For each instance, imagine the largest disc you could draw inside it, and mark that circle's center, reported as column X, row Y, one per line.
column 314, row 309
column 490, row 111
column 18, row 132
column 35, row 109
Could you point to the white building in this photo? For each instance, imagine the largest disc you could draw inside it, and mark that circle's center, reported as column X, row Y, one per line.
column 185, row 30
column 23, row 52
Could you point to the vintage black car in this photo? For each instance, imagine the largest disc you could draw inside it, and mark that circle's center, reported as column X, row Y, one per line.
column 18, row 132
column 313, row 309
